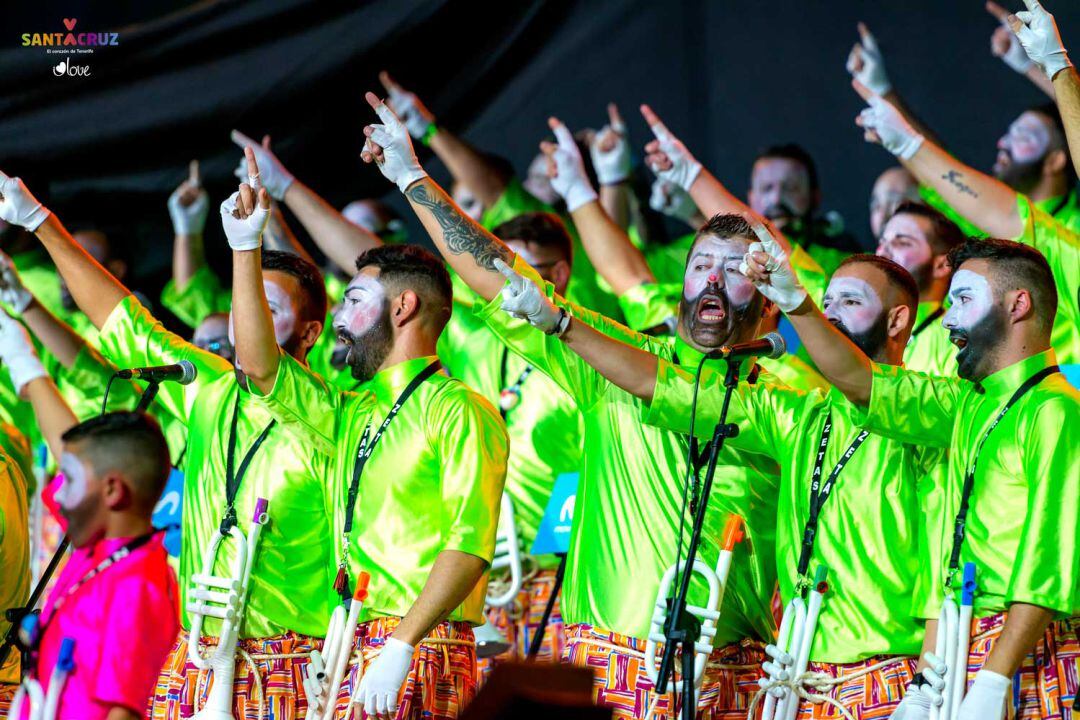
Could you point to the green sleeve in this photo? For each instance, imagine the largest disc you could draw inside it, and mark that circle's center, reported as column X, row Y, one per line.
column 911, row 407
column 303, row 402
column 86, row 380
column 809, row 273
column 650, row 304
column 933, row 198
column 472, row 445
column 132, row 337
column 202, row 296
column 515, row 200
column 1049, row 573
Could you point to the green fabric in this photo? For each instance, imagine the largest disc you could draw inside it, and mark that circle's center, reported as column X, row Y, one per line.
column 39, row 276
column 293, row 572
column 668, row 262
column 627, row 512
column 796, row 373
column 203, row 295
column 648, row 305
column 545, row 427
column 433, row 483
column 930, row 351
column 868, row 530
column 1061, row 247
column 14, row 549
column 1023, row 525
column 1067, row 214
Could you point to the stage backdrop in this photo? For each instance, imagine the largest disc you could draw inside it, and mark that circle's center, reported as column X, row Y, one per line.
column 728, row 77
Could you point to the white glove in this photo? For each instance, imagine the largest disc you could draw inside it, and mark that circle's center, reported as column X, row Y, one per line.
column 893, row 132
column 1040, row 38
column 934, row 674
column 189, row 219
column 381, row 683
column 672, row 200
column 18, row 206
column 776, row 670
column 866, row 64
column 609, row 150
column 569, row 180
column 914, row 705
column 408, row 107
column 17, row 352
column 985, row 700
column 398, row 164
column 245, row 233
column 781, row 286
column 275, row 178
column 12, row 292
column 521, row 298
column 1005, row 45
column 684, row 168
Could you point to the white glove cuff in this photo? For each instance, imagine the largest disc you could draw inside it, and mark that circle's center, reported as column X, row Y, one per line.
column 1055, row 63
column 791, row 300
column 991, row 679
column 278, row 190
column 693, row 169
column 579, row 194
column 562, row 322
column 19, row 300
column 39, row 215
column 23, row 367
column 910, row 147
column 408, row 178
column 878, row 86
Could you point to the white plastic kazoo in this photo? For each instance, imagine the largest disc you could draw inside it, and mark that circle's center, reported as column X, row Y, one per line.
column 783, row 641
column 945, row 647
column 317, row 670
column 65, row 662
column 809, row 630
column 963, row 642
column 798, row 620
column 29, row 688
column 343, row 649
column 507, row 554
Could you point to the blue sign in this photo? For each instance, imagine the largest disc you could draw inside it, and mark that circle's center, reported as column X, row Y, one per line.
column 553, row 535
column 1072, row 374
column 169, row 510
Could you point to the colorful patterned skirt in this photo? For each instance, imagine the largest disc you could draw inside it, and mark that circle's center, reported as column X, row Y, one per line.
column 868, row 689
column 622, row 684
column 268, row 680
column 520, row 620
column 441, row 683
column 7, row 694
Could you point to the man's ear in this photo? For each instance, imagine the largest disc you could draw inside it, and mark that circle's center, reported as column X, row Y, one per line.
column 940, row 267
column 560, row 273
column 1019, row 305
column 899, row 319
column 1054, row 162
column 310, row 330
column 404, row 308
column 116, row 495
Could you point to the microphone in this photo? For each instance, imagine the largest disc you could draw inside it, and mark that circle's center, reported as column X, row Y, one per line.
column 182, row 372
column 771, row 346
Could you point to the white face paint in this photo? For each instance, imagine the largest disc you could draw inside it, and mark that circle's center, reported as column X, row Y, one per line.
column 904, row 242
column 779, row 186
column 538, row 183
column 468, row 202
column 852, row 302
column 361, row 214
column 362, row 306
column 282, row 311
column 73, row 488
column 971, row 300
column 1027, row 141
column 717, row 261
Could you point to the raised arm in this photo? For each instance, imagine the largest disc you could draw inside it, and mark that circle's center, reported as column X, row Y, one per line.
column 1005, row 45
column 57, row 336
column 610, row 153
column 987, row 202
column 188, row 206
column 467, row 247
column 94, row 288
column 466, row 164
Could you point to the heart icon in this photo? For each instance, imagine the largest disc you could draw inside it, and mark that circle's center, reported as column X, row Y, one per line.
column 60, row 69
column 69, row 23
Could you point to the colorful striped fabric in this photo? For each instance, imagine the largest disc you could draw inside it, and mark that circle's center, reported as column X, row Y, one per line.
column 871, row 695
column 278, row 693
column 7, row 694
column 519, row 621
column 621, row 683
column 442, row 681
column 1045, row 686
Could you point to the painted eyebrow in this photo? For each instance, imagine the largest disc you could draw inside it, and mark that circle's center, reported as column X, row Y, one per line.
column 357, row 288
column 959, row 290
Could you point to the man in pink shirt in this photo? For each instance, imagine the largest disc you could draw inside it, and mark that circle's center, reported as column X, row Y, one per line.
column 117, row 596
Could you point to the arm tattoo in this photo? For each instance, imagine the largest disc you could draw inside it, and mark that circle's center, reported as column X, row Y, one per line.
column 954, row 178
column 460, row 233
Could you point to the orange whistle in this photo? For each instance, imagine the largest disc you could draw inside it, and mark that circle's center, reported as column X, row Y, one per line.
column 362, row 581
column 733, row 531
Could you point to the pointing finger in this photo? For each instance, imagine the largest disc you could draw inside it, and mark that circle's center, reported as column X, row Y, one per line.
column 868, row 39
column 562, row 133
column 193, row 173
column 241, row 139
column 252, row 166
column 615, row 118
column 1032, row 5
column 506, row 271
column 388, row 82
column 996, row 10
column 658, row 128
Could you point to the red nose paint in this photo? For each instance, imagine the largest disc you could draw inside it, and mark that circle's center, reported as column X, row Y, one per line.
column 712, row 278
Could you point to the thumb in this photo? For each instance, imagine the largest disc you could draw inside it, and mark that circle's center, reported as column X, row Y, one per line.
column 562, row 133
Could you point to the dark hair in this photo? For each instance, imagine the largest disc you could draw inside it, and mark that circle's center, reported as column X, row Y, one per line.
column 899, row 278
column 792, row 151
column 1058, row 139
column 944, row 235
column 411, row 267
column 1016, row 267
column 307, row 275
column 542, row 229
column 131, row 443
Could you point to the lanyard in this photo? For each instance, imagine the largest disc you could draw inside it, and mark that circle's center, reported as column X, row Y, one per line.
column 510, row 396
column 232, row 477
column 938, row 312
column 363, row 452
column 820, row 492
column 969, row 479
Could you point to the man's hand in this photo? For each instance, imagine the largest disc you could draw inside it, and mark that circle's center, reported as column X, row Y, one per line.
column 18, row 206
column 866, row 64
column 524, row 300
column 566, row 168
column 275, row 178
column 417, row 118
column 667, row 156
column 1004, row 43
column 244, row 219
column 934, row 674
column 883, row 124
column 1038, row 34
column 17, row 352
column 388, row 146
column 766, row 265
column 914, row 705
column 673, row 201
column 189, row 204
column 12, row 291
column 985, row 700
column 381, row 683
column 610, row 151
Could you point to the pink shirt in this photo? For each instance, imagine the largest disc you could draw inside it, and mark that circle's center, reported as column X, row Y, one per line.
column 124, row 622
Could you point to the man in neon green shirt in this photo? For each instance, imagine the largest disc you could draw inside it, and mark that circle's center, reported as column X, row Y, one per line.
column 416, row 463
column 919, row 239
column 290, row 599
column 544, row 426
column 627, row 511
column 1010, row 424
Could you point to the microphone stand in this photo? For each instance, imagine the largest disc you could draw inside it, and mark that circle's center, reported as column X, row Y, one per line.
column 684, row 628
column 148, row 395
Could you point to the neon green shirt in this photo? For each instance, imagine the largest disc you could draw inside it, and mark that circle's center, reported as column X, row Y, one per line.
column 14, row 550
column 203, row 295
column 627, row 512
column 1063, row 209
column 545, row 427
column 292, row 578
column 39, row 276
column 875, row 499
column 433, row 483
column 1023, row 525
column 929, row 350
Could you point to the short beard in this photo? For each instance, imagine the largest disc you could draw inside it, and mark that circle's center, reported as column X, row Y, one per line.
column 976, row 360
column 712, row 337
column 1022, row 177
column 872, row 340
column 368, row 351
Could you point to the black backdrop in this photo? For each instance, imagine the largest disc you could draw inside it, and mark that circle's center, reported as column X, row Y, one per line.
column 728, row 77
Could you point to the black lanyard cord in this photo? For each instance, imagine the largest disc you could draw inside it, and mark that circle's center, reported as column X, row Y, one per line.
column 232, row 477
column 515, row 389
column 938, row 312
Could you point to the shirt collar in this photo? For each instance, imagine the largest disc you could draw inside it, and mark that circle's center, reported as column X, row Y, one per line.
column 687, row 354
column 394, row 379
column 1007, row 380
column 926, row 309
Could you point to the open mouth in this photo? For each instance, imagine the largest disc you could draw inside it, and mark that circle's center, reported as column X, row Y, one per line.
column 1002, row 161
column 959, row 341
column 345, row 339
column 711, row 309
